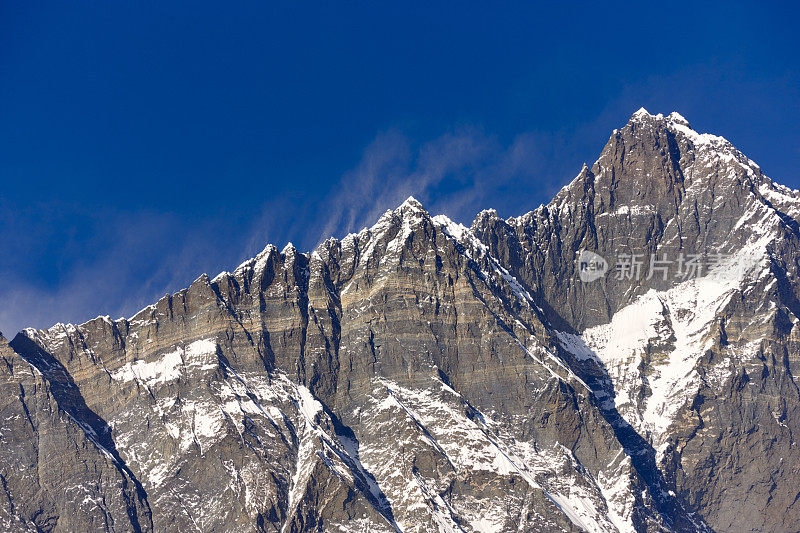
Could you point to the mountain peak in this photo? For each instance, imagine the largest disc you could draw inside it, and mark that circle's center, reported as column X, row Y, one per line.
column 411, row 203
column 643, row 115
column 673, row 118
column 288, row 249
column 645, row 127
column 677, row 118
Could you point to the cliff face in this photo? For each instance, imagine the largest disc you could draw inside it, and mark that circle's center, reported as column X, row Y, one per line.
column 423, row 376
column 702, row 366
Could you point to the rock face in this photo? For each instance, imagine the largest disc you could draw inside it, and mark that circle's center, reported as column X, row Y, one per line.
column 424, row 376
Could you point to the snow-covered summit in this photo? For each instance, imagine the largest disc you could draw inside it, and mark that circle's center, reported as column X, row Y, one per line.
column 410, row 203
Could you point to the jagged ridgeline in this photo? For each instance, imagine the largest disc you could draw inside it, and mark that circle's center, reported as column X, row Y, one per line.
column 564, row 370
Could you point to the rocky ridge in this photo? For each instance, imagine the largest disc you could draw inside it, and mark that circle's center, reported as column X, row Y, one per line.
column 425, row 376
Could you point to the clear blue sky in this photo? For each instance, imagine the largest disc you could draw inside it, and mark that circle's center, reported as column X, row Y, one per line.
column 144, row 143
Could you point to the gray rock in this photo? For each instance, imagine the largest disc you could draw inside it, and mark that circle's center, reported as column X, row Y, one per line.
column 425, row 376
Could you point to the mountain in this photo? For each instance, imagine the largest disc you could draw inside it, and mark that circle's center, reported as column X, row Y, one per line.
column 621, row 359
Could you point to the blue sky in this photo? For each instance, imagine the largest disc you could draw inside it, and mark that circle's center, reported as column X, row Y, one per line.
column 144, row 143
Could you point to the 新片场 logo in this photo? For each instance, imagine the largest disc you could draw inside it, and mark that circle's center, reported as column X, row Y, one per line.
column 591, row 266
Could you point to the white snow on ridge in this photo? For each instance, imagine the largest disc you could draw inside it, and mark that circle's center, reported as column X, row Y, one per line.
column 782, row 198
column 464, row 236
column 635, row 210
column 677, row 118
column 200, row 353
column 168, row 368
column 470, row 444
column 675, row 327
column 473, row 245
column 307, row 404
column 702, row 139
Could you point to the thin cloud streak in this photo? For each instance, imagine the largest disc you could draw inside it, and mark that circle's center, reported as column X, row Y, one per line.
column 458, row 174
column 132, row 259
column 129, row 261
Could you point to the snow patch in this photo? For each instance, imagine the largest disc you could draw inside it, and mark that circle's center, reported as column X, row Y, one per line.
column 670, row 331
column 200, row 354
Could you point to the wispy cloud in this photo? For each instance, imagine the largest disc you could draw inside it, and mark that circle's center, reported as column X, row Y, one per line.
column 116, row 263
column 458, row 173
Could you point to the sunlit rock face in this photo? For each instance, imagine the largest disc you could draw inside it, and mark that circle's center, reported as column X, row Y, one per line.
column 421, row 375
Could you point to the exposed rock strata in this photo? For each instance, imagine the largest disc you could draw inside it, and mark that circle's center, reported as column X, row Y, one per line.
column 423, row 376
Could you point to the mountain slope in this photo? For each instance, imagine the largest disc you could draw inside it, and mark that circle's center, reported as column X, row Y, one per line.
column 704, row 368
column 425, row 376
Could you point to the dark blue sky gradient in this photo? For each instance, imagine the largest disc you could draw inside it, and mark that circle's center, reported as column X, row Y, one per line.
column 142, row 144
